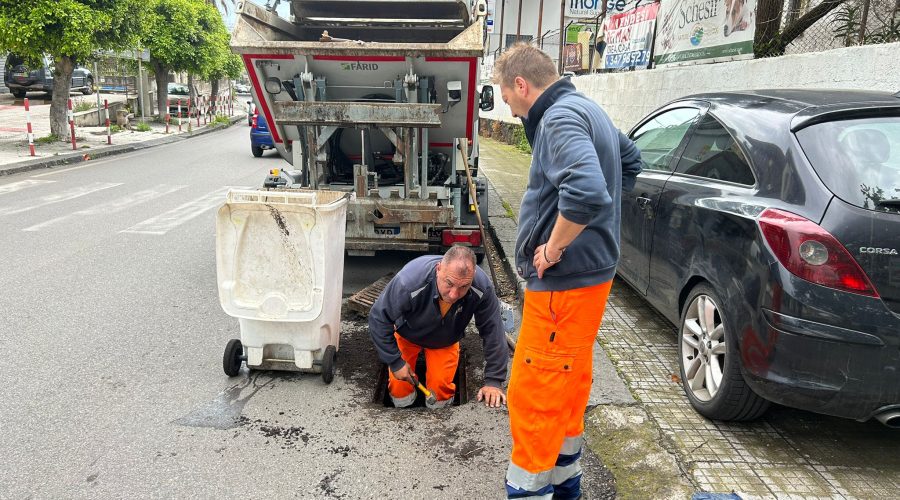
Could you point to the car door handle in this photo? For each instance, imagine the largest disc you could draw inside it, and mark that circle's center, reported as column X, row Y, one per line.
column 643, row 202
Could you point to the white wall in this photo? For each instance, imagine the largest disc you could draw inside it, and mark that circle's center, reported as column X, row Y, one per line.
column 627, row 97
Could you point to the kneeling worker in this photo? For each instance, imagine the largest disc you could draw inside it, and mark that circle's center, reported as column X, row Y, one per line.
column 427, row 306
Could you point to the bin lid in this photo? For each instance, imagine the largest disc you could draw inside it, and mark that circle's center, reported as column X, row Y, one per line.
column 270, row 252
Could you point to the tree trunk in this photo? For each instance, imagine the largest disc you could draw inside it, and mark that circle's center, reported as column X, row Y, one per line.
column 161, row 74
column 62, row 83
column 795, row 29
column 768, row 20
column 191, row 94
column 214, row 92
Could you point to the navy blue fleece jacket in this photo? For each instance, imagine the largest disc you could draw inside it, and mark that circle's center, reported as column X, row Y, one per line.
column 409, row 306
column 580, row 165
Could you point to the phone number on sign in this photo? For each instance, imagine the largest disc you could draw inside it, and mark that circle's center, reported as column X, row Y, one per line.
column 627, row 59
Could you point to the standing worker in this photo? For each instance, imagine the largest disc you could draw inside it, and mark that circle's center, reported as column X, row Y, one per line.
column 567, row 250
column 427, row 306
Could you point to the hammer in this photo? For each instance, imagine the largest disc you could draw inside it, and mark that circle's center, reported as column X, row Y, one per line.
column 429, row 397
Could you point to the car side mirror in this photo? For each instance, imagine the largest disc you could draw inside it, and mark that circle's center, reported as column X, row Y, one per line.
column 487, row 98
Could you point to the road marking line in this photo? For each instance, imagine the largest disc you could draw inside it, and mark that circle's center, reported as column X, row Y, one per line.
column 161, row 224
column 113, row 206
column 70, row 194
column 86, row 164
column 20, row 185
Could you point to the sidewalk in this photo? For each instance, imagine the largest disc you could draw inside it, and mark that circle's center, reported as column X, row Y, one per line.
column 617, row 429
column 91, row 142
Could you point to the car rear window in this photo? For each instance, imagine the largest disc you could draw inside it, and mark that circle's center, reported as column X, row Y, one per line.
column 178, row 89
column 859, row 160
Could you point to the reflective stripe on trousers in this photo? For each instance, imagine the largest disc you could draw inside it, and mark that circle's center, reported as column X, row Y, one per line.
column 549, row 388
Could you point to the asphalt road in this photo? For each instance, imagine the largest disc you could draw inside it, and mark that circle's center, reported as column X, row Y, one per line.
column 113, row 336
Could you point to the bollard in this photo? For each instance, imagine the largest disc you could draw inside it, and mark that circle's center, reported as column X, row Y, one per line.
column 205, row 109
column 197, row 110
column 179, row 115
column 168, row 116
column 28, row 127
column 108, row 129
column 72, row 124
column 189, row 115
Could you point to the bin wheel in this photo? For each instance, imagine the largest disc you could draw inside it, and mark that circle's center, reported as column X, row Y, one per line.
column 328, row 364
column 231, row 361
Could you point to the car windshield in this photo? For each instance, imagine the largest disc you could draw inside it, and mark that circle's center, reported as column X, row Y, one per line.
column 859, row 160
column 176, row 89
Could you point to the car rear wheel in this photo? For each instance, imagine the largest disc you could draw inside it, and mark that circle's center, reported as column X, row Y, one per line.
column 18, row 94
column 710, row 361
column 89, row 89
column 257, row 151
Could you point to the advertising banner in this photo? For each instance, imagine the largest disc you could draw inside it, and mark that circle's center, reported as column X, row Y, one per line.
column 692, row 31
column 572, row 57
column 580, row 9
column 489, row 19
column 629, row 37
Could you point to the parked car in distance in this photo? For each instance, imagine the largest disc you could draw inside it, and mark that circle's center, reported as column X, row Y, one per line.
column 260, row 137
column 240, row 88
column 766, row 226
column 20, row 79
column 179, row 93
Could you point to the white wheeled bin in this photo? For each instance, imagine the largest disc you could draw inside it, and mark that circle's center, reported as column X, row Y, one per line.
column 280, row 267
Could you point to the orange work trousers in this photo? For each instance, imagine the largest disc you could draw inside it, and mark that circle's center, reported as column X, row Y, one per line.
column 550, row 383
column 440, row 368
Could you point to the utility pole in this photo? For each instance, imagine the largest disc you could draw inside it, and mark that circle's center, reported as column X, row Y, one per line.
column 502, row 15
column 562, row 33
column 540, row 18
column 519, row 26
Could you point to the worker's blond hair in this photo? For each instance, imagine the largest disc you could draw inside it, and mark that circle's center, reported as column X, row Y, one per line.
column 527, row 61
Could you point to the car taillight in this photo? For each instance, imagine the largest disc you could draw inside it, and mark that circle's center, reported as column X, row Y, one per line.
column 255, row 120
column 812, row 253
column 467, row 237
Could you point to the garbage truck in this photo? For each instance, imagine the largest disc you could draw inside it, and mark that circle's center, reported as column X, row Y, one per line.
column 379, row 99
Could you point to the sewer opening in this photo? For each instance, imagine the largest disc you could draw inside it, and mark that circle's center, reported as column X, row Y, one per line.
column 461, row 379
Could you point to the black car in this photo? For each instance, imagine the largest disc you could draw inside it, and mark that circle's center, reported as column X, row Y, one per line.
column 766, row 226
column 20, row 78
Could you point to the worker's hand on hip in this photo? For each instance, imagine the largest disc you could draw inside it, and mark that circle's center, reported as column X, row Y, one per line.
column 492, row 396
column 545, row 258
column 405, row 373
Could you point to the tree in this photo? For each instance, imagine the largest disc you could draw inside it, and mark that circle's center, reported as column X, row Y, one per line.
column 67, row 31
column 771, row 39
column 230, row 66
column 182, row 35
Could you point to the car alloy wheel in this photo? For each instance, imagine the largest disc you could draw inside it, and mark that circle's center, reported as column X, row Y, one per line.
column 703, row 348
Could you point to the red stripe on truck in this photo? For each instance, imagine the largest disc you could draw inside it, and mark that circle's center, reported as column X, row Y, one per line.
column 470, row 112
column 361, row 58
column 251, row 70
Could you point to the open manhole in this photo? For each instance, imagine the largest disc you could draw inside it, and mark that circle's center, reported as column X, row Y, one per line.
column 461, row 379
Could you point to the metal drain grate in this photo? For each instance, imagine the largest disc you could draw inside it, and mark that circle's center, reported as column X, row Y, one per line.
column 362, row 301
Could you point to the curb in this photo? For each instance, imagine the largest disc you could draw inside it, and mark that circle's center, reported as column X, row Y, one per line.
column 78, row 156
column 502, row 230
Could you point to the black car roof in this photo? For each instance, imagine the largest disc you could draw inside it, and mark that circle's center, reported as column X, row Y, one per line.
column 802, row 107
